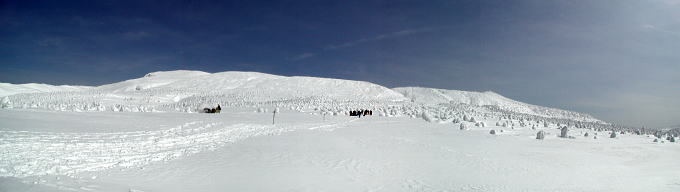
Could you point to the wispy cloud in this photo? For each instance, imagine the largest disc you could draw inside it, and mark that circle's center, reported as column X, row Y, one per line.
column 380, row 37
column 50, row 42
column 302, row 56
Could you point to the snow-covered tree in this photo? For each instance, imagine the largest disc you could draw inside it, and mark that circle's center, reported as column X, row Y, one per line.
column 6, row 103
column 563, row 132
column 540, row 135
column 427, row 117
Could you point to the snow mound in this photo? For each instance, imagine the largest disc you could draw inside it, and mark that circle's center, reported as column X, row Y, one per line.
column 230, row 82
column 7, row 89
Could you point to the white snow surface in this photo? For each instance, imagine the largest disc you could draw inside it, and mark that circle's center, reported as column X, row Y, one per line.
column 431, row 96
column 145, row 135
column 11, row 89
column 190, row 91
column 243, row 151
column 273, row 86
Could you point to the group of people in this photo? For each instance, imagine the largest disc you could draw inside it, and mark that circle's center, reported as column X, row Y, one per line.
column 213, row 110
column 360, row 112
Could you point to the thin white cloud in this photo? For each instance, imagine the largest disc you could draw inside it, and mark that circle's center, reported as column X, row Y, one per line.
column 302, row 56
column 378, row 38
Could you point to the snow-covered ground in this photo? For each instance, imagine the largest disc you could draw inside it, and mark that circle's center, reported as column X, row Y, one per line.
column 240, row 150
column 12, row 89
column 144, row 135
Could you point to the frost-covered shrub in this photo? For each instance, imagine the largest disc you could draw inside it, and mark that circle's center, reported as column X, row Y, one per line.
column 540, row 135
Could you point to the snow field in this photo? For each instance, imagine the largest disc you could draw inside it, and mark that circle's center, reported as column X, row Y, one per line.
column 241, row 151
column 31, row 153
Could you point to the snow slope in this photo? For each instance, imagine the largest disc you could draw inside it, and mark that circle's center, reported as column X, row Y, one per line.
column 11, row 89
column 431, row 96
column 152, row 80
column 273, row 86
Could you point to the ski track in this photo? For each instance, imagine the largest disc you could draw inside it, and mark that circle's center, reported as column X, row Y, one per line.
column 24, row 154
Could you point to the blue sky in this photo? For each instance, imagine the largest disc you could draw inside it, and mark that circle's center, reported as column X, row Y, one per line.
column 617, row 60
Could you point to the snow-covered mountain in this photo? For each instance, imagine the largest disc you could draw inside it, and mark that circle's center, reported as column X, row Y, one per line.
column 254, row 84
column 192, row 90
column 11, row 89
